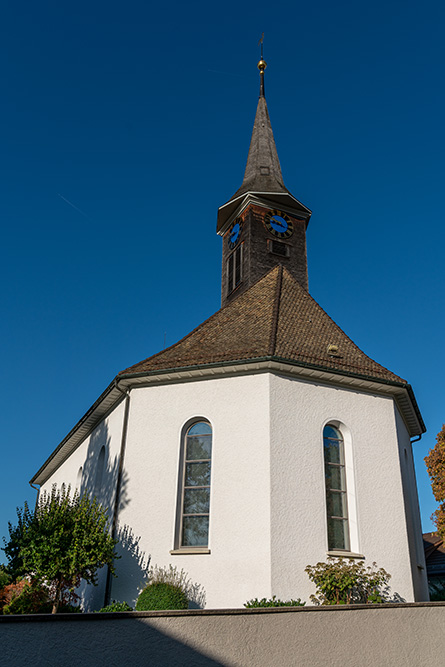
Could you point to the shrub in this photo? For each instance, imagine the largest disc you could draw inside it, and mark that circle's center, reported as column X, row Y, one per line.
column 25, row 597
column 341, row 581
column 116, row 606
column 5, row 578
column 162, row 595
column 273, row 602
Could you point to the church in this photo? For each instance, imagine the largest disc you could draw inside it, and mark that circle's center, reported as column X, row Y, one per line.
column 262, row 442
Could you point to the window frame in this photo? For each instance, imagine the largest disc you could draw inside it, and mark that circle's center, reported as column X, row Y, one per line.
column 179, row 547
column 351, row 492
column 342, row 492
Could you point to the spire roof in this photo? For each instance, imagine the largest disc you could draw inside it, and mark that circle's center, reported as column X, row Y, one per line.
column 263, row 175
column 263, row 170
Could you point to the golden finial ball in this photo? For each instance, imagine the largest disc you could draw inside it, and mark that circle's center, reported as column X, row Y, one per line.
column 262, row 65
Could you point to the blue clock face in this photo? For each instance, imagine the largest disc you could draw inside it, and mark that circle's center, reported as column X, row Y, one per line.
column 234, row 233
column 279, row 224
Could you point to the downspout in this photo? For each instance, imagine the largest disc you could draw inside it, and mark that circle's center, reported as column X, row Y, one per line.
column 126, row 393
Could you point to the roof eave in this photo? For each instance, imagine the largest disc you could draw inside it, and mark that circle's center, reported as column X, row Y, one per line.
column 283, row 199
column 113, row 394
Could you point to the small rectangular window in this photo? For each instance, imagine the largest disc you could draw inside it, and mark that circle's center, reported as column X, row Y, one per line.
column 278, row 248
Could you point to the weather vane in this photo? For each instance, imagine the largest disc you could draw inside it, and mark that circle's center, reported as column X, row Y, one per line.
column 260, row 43
column 262, row 66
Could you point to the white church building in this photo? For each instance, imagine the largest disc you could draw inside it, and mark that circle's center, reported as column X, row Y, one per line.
column 263, row 441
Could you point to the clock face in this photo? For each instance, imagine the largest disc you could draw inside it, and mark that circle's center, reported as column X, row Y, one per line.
column 279, row 224
column 235, row 233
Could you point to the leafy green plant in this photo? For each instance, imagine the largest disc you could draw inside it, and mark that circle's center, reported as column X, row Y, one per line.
column 64, row 540
column 162, row 595
column 116, row 606
column 346, row 581
column 25, row 597
column 5, row 577
column 273, row 602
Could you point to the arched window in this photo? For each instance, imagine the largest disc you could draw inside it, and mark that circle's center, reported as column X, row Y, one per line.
column 336, row 495
column 195, row 502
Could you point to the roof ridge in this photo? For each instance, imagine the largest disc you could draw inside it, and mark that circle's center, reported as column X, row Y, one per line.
column 200, row 326
column 317, row 305
column 276, row 311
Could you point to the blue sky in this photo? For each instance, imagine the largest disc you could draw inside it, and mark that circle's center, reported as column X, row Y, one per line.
column 124, row 127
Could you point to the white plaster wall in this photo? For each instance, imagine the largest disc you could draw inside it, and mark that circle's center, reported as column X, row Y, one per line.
column 238, row 566
column 412, row 510
column 267, row 508
column 108, row 434
column 299, row 411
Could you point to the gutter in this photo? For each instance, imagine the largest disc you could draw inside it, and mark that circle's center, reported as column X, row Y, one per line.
column 127, row 377
column 75, row 428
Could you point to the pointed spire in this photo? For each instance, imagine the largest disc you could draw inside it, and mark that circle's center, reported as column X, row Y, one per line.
column 263, row 171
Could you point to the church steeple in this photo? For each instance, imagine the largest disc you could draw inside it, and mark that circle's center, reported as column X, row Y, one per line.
column 262, row 224
column 263, row 170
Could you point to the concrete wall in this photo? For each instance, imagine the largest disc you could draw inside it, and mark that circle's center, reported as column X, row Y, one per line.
column 377, row 636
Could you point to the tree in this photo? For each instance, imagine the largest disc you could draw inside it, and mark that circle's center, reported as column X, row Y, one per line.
column 64, row 540
column 435, row 463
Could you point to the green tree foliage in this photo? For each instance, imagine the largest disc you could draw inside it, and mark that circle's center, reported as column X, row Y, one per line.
column 63, row 541
column 26, row 597
column 5, row 577
column 341, row 581
column 435, row 463
column 273, row 602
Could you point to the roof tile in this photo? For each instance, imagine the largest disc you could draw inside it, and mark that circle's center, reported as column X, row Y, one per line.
column 276, row 318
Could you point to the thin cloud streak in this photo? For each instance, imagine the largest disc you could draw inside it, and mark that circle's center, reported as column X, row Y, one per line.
column 74, row 206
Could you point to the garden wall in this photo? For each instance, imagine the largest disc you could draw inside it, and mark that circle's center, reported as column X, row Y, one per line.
column 355, row 636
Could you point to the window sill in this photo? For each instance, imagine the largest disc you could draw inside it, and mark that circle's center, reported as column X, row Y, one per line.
column 344, row 554
column 189, row 550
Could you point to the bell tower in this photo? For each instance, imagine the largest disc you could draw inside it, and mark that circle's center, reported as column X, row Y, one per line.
column 263, row 224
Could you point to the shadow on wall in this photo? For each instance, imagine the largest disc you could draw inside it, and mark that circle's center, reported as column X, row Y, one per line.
column 99, row 473
column 131, row 568
column 99, row 477
column 102, row 641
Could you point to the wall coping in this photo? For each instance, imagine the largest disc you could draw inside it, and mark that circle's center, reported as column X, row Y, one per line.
column 106, row 616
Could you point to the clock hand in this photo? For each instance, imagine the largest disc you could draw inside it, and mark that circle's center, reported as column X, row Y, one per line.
column 278, row 222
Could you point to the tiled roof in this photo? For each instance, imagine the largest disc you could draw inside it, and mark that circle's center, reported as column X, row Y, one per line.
column 276, row 319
